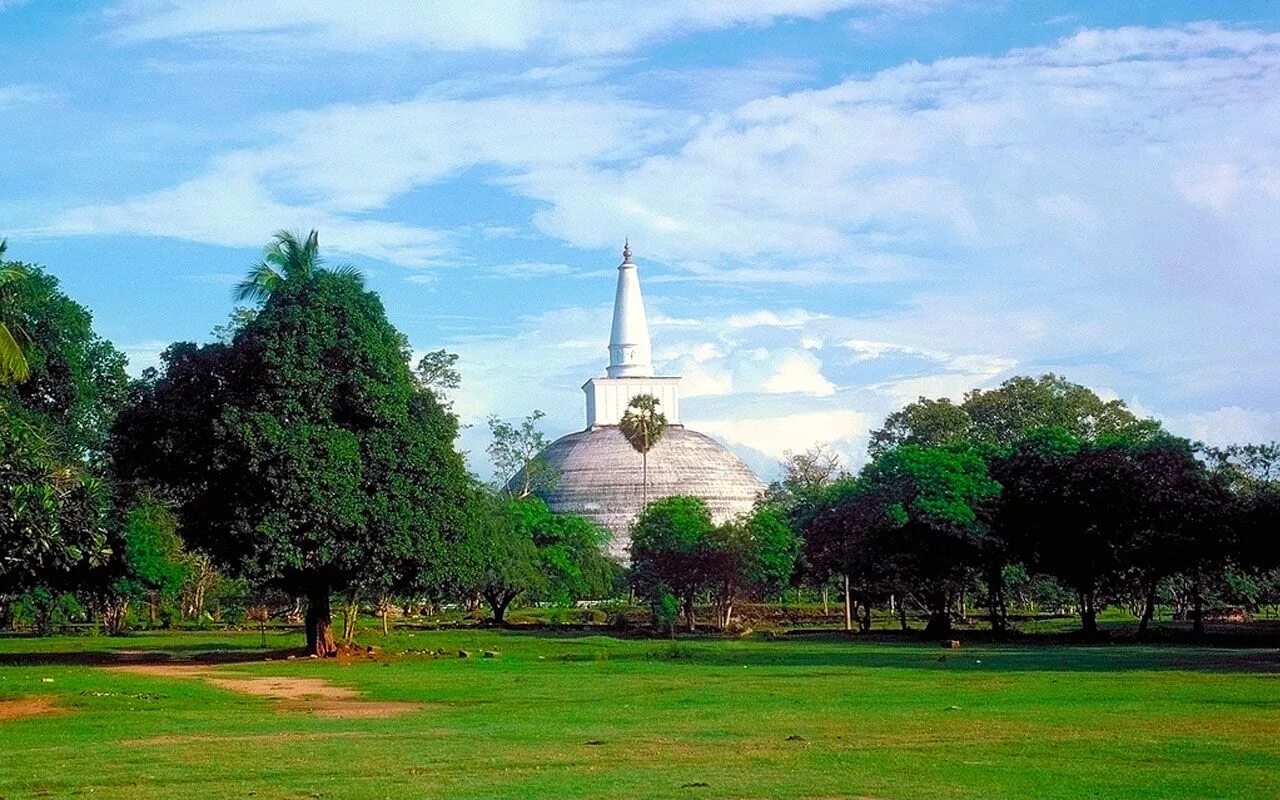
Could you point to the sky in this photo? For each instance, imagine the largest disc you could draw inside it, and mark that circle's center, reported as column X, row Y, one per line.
column 837, row 206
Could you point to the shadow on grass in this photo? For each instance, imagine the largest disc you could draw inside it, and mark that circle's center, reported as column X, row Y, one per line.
column 205, row 653
column 839, row 650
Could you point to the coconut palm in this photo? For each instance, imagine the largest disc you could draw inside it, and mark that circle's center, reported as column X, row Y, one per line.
column 13, row 364
column 286, row 259
column 643, row 425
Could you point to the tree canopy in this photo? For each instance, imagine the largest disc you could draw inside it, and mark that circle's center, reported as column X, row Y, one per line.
column 310, row 453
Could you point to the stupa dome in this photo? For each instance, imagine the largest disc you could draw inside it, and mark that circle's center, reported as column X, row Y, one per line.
column 599, row 477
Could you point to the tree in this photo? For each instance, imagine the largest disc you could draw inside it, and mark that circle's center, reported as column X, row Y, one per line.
column 1068, row 500
column 1178, row 520
column 55, row 526
column 13, row 364
column 154, row 565
column 670, row 548
column 76, row 381
column 569, row 553
column 438, row 371
column 287, row 260
column 516, row 453
column 928, row 423
column 53, row 513
column 499, row 560
column 308, row 452
column 1006, row 415
column 845, row 536
column 752, row 556
column 933, row 499
column 643, row 425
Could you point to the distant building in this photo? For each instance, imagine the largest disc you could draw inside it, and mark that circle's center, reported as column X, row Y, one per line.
column 599, row 472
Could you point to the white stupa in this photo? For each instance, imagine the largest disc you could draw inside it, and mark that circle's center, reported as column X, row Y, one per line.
column 599, row 472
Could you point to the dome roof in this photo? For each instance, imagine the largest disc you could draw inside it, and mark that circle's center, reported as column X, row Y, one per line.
column 600, row 477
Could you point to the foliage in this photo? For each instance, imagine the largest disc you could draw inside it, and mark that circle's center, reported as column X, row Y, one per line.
column 671, row 543
column 517, row 547
column 287, row 260
column 13, row 363
column 516, row 452
column 303, row 454
column 927, row 423
column 642, row 425
column 155, row 562
column 752, row 556
column 935, row 501
column 438, row 371
column 53, row 513
column 76, row 381
column 498, row 560
column 55, row 531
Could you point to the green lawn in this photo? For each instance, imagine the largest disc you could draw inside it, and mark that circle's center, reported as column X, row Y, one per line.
column 592, row 716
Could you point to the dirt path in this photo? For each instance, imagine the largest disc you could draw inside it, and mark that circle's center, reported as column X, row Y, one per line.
column 312, row 695
column 22, row 707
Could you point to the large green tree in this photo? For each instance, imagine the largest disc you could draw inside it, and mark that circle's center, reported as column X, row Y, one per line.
column 55, row 507
column 753, row 556
column 671, row 548
column 934, row 502
column 304, row 451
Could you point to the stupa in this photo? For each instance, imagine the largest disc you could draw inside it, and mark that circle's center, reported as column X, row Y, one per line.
column 598, row 472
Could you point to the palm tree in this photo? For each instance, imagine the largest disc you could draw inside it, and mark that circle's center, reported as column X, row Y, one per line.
column 285, row 260
column 13, row 364
column 643, row 425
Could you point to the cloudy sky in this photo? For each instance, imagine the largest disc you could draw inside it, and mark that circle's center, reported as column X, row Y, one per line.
column 837, row 205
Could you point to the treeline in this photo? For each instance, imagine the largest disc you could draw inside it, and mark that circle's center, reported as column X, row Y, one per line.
column 295, row 460
column 1039, row 491
column 1036, row 495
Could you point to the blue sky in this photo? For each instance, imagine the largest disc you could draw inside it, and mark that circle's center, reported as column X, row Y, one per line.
column 836, row 206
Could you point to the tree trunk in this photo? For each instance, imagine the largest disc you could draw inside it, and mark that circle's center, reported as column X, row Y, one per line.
column 865, row 624
column 995, row 600
column 644, row 458
column 1148, row 609
column 939, row 623
column 350, row 611
column 319, row 623
column 902, row 616
column 1088, row 615
column 1197, row 606
column 848, row 605
column 498, row 604
column 386, row 610
column 826, row 606
column 690, row 620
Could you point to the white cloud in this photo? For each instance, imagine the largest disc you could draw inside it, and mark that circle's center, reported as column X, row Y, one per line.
column 1226, row 425
column 142, row 355
column 593, row 26
column 776, row 435
column 16, row 94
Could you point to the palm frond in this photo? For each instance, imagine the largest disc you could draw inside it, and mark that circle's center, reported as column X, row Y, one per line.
column 13, row 364
column 258, row 284
column 4, row 245
column 348, row 271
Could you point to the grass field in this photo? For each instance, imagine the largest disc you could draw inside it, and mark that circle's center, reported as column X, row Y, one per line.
column 573, row 715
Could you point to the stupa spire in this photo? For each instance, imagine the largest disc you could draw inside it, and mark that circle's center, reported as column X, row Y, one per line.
column 629, row 348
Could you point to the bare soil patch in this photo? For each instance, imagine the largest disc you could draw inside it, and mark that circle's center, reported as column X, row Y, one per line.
column 312, row 695
column 22, row 707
